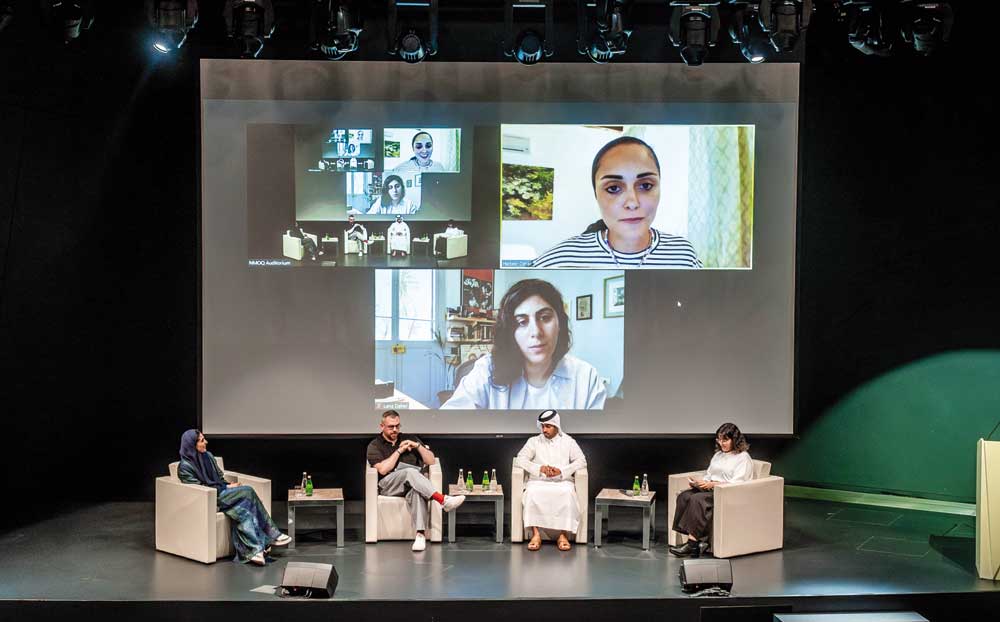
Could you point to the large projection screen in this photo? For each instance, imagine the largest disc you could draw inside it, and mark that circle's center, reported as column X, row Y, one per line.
column 293, row 342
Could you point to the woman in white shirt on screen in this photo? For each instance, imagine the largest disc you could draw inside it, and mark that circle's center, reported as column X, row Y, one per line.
column 422, row 160
column 530, row 367
column 393, row 199
column 693, row 514
column 626, row 180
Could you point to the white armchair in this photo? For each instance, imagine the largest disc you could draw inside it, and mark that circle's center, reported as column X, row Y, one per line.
column 188, row 522
column 388, row 518
column 352, row 246
column 748, row 517
column 291, row 247
column 453, row 246
column 518, row 478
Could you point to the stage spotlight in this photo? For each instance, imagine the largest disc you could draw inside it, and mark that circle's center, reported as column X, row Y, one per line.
column 926, row 25
column 69, row 18
column 694, row 28
column 6, row 13
column 405, row 41
column 867, row 27
column 334, row 30
column 747, row 33
column 249, row 21
column 610, row 38
column 171, row 21
column 529, row 46
column 785, row 20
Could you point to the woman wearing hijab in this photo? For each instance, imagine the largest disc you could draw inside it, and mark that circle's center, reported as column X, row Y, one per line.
column 253, row 531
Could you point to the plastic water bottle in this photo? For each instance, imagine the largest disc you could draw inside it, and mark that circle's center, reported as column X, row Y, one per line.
column 461, row 478
column 301, row 488
column 309, row 486
column 493, row 479
column 468, row 481
column 645, row 485
column 635, row 485
column 486, row 480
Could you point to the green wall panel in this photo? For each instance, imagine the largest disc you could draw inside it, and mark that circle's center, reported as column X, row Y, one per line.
column 912, row 431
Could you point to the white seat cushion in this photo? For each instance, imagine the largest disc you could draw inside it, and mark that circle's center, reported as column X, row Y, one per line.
column 394, row 521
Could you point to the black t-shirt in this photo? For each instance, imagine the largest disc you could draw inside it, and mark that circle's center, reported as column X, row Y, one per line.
column 380, row 449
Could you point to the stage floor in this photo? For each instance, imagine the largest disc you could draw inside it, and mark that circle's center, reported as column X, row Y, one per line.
column 106, row 553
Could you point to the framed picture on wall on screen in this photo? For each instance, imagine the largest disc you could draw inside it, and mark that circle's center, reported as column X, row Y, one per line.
column 584, row 311
column 614, row 296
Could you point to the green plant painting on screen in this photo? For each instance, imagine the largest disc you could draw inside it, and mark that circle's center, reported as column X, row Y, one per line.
column 527, row 192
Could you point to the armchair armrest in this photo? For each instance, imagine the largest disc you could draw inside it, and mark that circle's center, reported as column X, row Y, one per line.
column 436, row 478
column 260, row 486
column 516, row 502
column 676, row 484
column 371, row 503
column 185, row 519
column 582, row 478
column 748, row 517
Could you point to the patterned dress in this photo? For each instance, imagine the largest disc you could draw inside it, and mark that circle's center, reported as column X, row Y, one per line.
column 252, row 527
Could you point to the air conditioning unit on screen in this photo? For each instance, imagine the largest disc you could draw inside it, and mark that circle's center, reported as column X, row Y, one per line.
column 516, row 144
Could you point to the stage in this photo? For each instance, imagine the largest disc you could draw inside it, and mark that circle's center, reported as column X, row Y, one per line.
column 100, row 561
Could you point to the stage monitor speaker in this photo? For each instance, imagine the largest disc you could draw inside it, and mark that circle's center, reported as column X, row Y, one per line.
column 310, row 580
column 702, row 574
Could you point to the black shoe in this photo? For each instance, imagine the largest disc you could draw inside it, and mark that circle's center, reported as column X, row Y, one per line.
column 705, row 549
column 689, row 549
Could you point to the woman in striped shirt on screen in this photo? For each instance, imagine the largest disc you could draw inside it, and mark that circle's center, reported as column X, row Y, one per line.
column 626, row 180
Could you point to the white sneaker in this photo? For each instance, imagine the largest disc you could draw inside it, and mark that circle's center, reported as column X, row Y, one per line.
column 282, row 540
column 419, row 543
column 258, row 559
column 450, row 503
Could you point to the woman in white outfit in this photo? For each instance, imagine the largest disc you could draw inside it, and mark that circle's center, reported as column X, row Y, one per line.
column 393, row 198
column 530, row 367
column 693, row 515
column 550, row 500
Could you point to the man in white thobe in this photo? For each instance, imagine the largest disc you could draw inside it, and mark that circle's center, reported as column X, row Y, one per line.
column 550, row 500
column 399, row 237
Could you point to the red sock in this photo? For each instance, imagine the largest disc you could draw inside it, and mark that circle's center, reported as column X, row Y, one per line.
column 438, row 497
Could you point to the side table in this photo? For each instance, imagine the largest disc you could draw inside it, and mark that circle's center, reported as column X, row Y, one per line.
column 330, row 246
column 321, row 498
column 478, row 495
column 612, row 496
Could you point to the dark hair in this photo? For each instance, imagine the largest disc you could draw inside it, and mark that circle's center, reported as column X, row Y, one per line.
column 600, row 225
column 731, row 432
column 621, row 140
column 390, row 413
column 508, row 362
column 414, row 139
column 386, row 199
